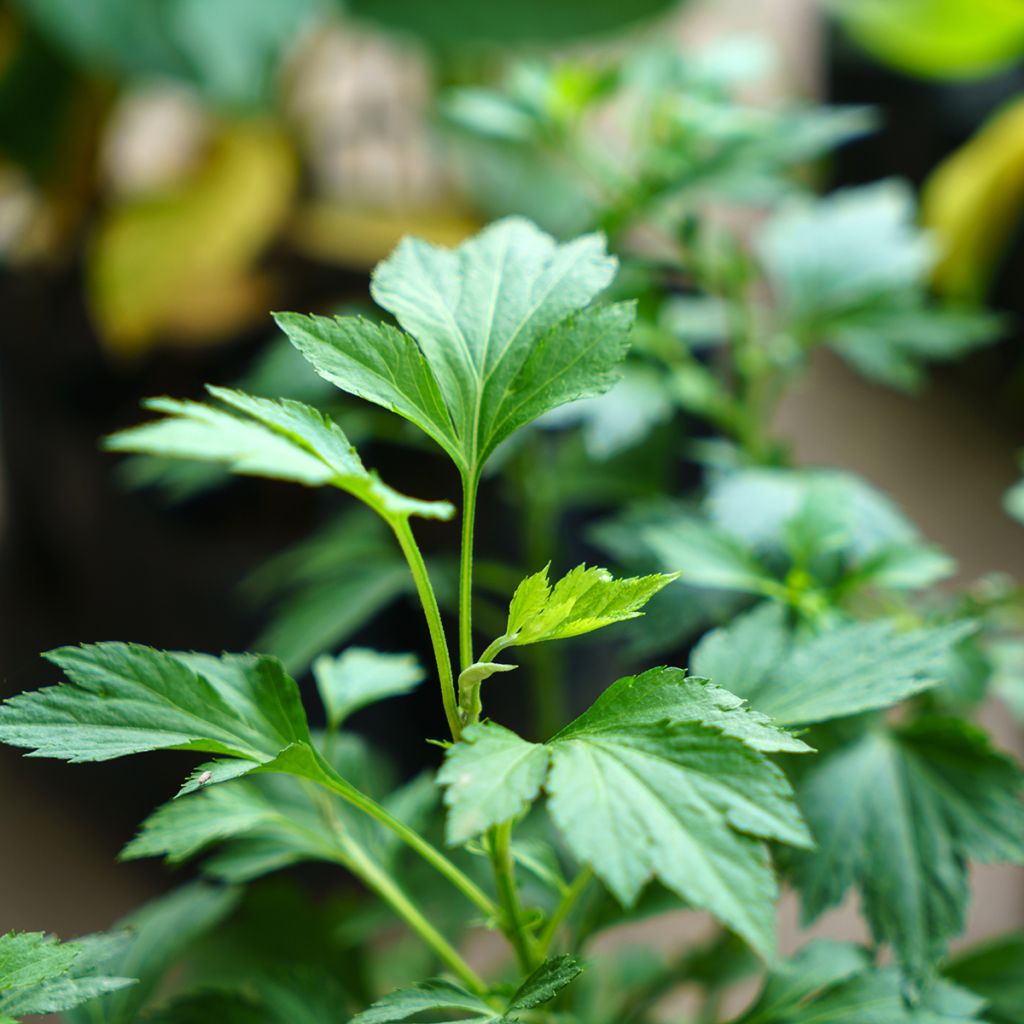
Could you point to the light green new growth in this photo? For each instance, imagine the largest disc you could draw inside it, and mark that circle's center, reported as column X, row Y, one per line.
column 580, row 602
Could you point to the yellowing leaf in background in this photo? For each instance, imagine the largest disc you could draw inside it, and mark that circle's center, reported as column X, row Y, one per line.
column 181, row 264
column 942, row 38
column 974, row 199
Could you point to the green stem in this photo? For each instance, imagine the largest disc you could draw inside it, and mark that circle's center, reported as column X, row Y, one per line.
column 508, row 896
column 470, row 483
column 565, row 905
column 367, row 869
column 329, row 778
column 403, row 532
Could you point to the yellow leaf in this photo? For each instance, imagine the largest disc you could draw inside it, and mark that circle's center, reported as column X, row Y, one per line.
column 941, row 38
column 181, row 262
column 973, row 201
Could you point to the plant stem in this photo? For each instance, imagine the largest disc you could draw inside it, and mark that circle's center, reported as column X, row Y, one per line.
column 329, row 778
column 470, row 484
column 378, row 880
column 508, row 897
column 565, row 905
column 407, row 542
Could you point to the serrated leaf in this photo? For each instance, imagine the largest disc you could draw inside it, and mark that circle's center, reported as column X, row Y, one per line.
column 282, row 438
column 851, row 668
column 434, row 997
column 183, row 827
column 359, row 677
column 897, row 813
column 440, row 997
column 545, row 983
column 581, row 601
column 124, row 699
column 497, row 335
column 663, row 777
column 491, row 776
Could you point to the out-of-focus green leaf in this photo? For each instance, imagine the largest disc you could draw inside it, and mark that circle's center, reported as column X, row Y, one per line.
column 897, row 813
column 995, row 971
column 851, row 668
column 158, row 936
column 230, row 50
column 359, row 677
column 850, row 270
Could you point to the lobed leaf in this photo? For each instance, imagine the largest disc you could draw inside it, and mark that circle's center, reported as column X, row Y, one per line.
column 897, row 813
column 663, row 777
column 283, row 439
column 851, row 668
column 581, row 601
column 495, row 333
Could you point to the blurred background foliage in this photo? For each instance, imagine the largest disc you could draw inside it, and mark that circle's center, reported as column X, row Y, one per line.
column 173, row 169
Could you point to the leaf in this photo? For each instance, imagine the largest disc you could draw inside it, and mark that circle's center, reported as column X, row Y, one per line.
column 183, row 827
column 663, row 777
column 125, row 699
column 497, row 335
column 851, row 271
column 851, row 668
column 428, row 997
column 157, row 936
column 835, row 983
column 359, row 677
column 376, row 362
column 262, row 437
column 40, row 975
column 818, row 965
column 993, row 970
column 705, row 555
column 491, row 776
column 897, row 813
column 200, row 238
column 545, row 983
column 329, row 586
column 440, row 996
column 297, row 995
column 580, row 602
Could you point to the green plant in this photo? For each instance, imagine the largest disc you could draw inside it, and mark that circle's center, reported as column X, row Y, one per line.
column 778, row 752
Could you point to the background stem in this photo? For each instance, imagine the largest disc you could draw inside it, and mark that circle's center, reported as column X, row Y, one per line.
column 508, row 897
